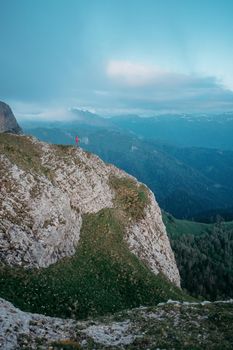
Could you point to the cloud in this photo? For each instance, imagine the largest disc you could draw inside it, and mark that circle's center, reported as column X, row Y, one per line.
column 38, row 111
column 129, row 87
column 149, row 88
column 133, row 74
column 84, row 140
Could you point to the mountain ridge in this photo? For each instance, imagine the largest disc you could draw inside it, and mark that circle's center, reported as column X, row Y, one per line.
column 65, row 213
column 188, row 182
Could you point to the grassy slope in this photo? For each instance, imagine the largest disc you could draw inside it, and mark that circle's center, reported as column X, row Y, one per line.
column 176, row 227
column 21, row 151
column 103, row 276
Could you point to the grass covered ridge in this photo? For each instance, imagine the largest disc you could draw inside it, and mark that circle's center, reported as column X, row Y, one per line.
column 20, row 150
column 131, row 198
column 103, row 276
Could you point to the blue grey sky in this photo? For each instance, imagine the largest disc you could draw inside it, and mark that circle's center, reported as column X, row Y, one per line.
column 116, row 56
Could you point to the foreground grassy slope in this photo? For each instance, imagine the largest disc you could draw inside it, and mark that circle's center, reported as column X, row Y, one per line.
column 22, row 152
column 103, row 276
column 204, row 255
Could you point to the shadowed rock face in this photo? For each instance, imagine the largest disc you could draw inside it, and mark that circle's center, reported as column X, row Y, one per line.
column 8, row 123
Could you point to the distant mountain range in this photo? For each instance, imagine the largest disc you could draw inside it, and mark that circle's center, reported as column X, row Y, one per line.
column 189, row 182
column 200, row 130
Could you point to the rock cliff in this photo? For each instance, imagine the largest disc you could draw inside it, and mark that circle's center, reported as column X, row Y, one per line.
column 8, row 122
column 46, row 190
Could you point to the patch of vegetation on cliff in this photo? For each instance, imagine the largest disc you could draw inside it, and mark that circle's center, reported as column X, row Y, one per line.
column 103, row 276
column 20, row 150
column 130, row 198
column 204, row 255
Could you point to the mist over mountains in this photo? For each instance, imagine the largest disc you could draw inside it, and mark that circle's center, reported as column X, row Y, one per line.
column 185, row 130
column 186, row 160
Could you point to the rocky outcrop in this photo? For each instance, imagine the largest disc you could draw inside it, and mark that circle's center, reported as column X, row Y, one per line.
column 148, row 240
column 41, row 218
column 45, row 191
column 8, row 122
column 20, row 329
column 188, row 325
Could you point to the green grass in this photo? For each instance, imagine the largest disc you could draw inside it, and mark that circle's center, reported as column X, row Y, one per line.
column 24, row 153
column 103, row 276
column 176, row 227
column 131, row 198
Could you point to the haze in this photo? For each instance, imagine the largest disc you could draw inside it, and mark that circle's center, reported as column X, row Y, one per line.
column 116, row 57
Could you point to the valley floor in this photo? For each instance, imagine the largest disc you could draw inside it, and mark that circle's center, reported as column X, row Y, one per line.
column 171, row 325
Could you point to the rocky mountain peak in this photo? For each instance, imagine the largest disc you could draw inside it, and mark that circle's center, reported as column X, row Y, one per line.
column 8, row 122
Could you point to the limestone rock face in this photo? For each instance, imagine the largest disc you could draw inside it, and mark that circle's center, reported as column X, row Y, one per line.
column 17, row 326
column 148, row 240
column 8, row 122
column 46, row 191
column 41, row 218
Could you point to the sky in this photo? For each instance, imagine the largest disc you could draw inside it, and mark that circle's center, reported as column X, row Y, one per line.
column 116, row 57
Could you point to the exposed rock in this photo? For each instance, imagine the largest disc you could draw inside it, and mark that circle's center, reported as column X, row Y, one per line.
column 171, row 325
column 40, row 221
column 148, row 240
column 46, row 189
column 113, row 334
column 18, row 328
column 8, row 122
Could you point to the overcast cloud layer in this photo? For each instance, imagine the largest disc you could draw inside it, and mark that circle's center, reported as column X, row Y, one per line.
column 113, row 57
